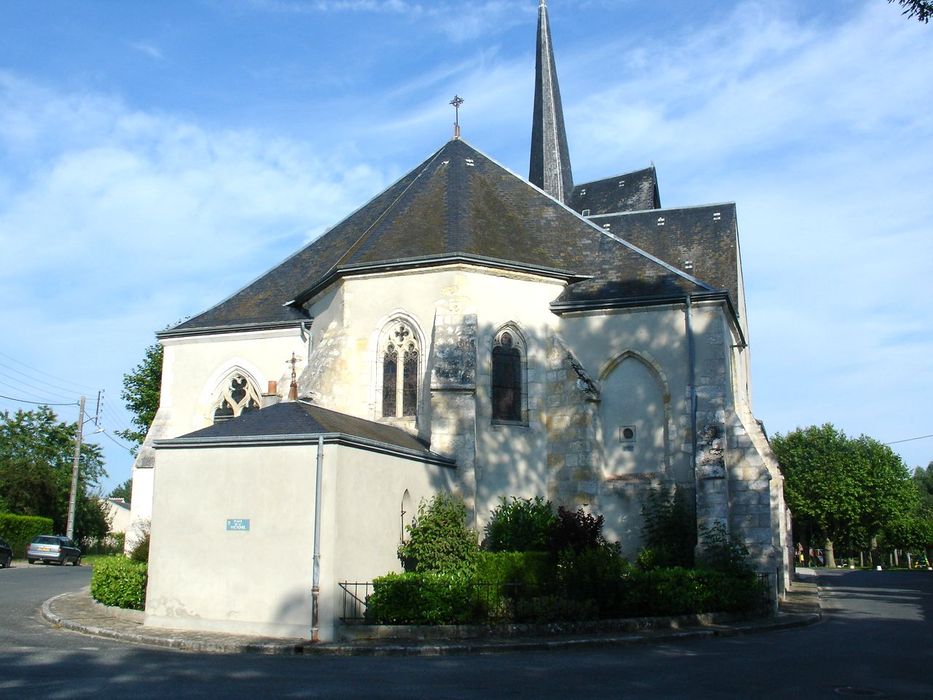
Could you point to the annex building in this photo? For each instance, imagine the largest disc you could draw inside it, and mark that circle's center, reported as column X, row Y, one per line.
column 466, row 330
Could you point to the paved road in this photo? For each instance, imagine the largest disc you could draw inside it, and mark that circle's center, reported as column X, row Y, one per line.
column 877, row 639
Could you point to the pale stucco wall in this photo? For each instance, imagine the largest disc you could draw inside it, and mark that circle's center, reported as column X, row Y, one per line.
column 193, row 371
column 203, row 576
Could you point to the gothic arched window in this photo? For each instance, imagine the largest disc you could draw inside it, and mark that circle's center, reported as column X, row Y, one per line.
column 237, row 397
column 400, row 362
column 508, row 370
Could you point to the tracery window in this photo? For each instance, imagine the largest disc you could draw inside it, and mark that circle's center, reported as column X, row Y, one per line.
column 239, row 396
column 508, row 383
column 400, row 361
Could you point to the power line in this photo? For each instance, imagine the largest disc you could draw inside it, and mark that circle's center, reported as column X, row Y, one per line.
column 116, row 442
column 20, row 385
column 37, row 403
column 30, row 377
column 82, row 387
column 921, row 437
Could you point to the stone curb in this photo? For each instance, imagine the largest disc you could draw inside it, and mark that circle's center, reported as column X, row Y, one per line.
column 109, row 624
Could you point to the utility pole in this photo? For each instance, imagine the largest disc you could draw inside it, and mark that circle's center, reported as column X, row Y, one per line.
column 72, row 499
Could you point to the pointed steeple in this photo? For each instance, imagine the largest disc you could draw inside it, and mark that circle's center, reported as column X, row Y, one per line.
column 550, row 156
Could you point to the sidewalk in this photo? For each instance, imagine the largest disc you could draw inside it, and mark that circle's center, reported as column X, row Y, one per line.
column 79, row 613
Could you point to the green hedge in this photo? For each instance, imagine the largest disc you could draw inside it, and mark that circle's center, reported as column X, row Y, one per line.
column 119, row 582
column 512, row 568
column 20, row 530
column 679, row 591
column 516, row 587
column 422, row 598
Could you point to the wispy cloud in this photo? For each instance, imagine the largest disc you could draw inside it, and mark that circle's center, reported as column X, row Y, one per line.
column 147, row 48
column 457, row 20
column 135, row 220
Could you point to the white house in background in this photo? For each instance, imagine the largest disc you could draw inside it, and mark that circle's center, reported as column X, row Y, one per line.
column 118, row 515
column 466, row 330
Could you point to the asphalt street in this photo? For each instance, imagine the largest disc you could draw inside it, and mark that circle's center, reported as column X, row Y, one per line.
column 876, row 641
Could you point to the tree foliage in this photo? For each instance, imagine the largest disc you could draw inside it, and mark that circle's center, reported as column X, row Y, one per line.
column 846, row 490
column 520, row 525
column 124, row 490
column 670, row 530
column 36, row 458
column 141, row 390
column 921, row 9
column 439, row 540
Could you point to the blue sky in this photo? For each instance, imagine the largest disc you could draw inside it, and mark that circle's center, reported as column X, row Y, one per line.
column 156, row 156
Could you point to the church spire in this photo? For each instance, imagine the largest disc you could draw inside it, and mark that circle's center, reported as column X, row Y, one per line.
column 550, row 156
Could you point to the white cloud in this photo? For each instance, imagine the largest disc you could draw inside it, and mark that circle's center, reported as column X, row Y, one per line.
column 119, row 223
column 147, row 48
column 457, row 20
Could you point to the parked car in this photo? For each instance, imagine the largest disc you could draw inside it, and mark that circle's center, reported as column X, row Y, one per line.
column 6, row 554
column 46, row 548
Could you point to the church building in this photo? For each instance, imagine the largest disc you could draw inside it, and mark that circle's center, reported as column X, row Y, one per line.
column 467, row 331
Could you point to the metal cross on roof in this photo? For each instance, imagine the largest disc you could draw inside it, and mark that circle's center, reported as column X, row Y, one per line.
column 456, row 102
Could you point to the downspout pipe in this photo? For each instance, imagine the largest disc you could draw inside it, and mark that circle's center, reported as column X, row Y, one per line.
column 316, row 555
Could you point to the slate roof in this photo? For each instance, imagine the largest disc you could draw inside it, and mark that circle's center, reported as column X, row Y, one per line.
column 702, row 241
column 288, row 419
column 458, row 205
column 634, row 191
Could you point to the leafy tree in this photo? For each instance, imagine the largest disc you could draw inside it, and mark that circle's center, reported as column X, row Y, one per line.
column 36, row 457
column 141, row 390
column 923, row 521
column 923, row 480
column 846, row 490
column 124, row 490
column 921, row 9
column 520, row 525
column 439, row 540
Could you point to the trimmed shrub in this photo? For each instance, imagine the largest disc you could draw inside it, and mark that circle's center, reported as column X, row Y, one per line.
column 119, row 582
column 679, row 591
column 522, row 525
column 439, row 540
column 20, row 530
column 590, row 573
column 531, row 569
column 422, row 598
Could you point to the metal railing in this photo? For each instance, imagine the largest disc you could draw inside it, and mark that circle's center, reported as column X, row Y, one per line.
column 518, row 601
column 355, row 597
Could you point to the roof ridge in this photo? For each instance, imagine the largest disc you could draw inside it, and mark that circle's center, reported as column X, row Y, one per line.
column 663, row 209
column 355, row 246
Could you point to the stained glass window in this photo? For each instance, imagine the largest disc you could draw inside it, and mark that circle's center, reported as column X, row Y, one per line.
column 506, row 378
column 389, row 380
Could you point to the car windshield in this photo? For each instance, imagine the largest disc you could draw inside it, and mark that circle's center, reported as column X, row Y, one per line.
column 46, row 540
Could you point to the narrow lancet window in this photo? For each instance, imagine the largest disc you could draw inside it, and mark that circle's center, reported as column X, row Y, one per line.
column 507, row 379
column 389, row 380
column 410, row 383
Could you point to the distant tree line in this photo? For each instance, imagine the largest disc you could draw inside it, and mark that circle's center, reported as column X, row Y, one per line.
column 853, row 493
column 36, row 460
